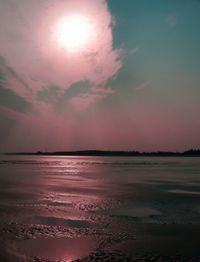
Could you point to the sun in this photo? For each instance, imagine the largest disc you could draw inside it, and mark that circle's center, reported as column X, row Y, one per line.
column 74, row 33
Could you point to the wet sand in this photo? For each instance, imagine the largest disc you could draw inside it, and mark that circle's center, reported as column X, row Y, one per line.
column 56, row 209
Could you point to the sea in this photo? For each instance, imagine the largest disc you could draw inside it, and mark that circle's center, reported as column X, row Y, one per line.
column 65, row 208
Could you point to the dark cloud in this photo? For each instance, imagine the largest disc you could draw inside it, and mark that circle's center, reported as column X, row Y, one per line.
column 11, row 100
column 49, row 95
column 8, row 98
column 55, row 96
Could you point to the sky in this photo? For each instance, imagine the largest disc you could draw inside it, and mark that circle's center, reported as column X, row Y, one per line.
column 132, row 84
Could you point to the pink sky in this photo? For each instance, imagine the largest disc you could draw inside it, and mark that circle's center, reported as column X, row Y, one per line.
column 57, row 100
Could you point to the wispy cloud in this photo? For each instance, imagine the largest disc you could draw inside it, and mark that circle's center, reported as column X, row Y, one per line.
column 84, row 100
column 134, row 50
column 172, row 20
column 142, row 86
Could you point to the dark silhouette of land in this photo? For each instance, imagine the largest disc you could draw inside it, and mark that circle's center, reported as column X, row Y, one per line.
column 107, row 153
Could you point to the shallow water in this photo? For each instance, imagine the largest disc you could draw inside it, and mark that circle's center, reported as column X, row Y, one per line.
column 46, row 201
column 68, row 249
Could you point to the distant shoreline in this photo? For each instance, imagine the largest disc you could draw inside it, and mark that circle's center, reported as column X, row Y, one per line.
column 105, row 153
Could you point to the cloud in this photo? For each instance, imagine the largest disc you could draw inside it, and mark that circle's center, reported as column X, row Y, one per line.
column 11, row 80
column 83, row 100
column 36, row 61
column 142, row 86
column 49, row 94
column 134, row 50
column 8, row 97
column 172, row 21
column 45, row 90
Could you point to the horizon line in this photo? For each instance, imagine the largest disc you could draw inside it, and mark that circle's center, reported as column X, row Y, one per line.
column 97, row 152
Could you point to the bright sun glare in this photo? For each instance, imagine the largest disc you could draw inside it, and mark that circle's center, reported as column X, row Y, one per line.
column 74, row 33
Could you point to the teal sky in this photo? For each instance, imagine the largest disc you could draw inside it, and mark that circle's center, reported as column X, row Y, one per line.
column 163, row 38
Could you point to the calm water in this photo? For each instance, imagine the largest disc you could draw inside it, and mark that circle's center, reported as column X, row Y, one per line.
column 97, row 203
